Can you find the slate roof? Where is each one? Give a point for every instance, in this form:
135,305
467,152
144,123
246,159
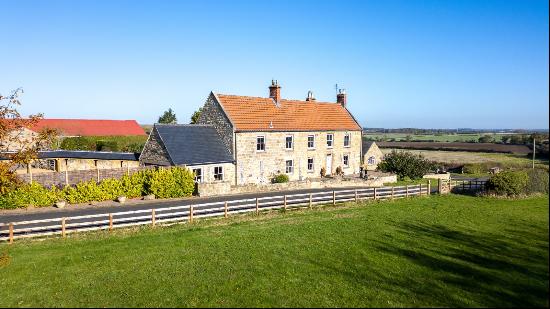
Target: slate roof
90,127
193,144
262,114
77,154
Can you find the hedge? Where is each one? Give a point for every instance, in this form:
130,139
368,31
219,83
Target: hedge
163,183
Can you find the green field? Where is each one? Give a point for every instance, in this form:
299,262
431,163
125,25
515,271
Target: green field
432,137
431,251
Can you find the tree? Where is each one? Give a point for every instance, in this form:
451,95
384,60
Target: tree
486,139
406,164
168,117
17,144
196,115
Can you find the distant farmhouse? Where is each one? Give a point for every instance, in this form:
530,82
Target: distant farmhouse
248,140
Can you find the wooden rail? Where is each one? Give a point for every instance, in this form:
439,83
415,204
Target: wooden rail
188,213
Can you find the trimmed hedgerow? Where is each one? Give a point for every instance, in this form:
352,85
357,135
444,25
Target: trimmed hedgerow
163,183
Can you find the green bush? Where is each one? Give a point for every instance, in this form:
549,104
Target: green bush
538,181
508,183
280,178
104,143
107,145
163,183
406,164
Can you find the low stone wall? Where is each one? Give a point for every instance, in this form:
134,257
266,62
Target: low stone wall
221,188
445,176
60,179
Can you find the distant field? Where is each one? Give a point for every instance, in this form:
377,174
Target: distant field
465,157
477,147
433,137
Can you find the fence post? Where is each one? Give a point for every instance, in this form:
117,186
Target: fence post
284,202
392,191
375,193
225,210
463,185
66,176
63,227
440,186
11,233
356,196
420,192
429,187
153,217
407,191
191,213
110,222
97,171
310,200
257,207
333,198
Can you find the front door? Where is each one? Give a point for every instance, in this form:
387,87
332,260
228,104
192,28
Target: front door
328,165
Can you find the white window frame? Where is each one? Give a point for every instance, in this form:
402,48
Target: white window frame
344,160
331,140
257,144
200,177
373,162
291,167
219,173
312,165
348,136
312,147
291,142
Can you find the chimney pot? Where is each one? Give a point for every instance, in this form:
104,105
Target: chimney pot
341,98
310,96
275,91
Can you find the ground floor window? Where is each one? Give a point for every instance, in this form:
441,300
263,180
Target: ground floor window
218,173
310,164
198,174
346,160
52,165
289,166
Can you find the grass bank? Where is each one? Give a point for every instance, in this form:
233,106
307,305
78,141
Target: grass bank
437,251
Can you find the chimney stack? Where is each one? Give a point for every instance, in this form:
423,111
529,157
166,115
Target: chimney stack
310,96
275,91
341,98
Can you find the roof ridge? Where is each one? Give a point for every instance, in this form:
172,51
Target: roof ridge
94,151
288,100
183,125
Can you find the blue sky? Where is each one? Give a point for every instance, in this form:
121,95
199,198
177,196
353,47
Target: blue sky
430,64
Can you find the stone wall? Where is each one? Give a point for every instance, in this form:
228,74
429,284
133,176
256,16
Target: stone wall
258,167
212,114
445,176
154,151
220,188
73,177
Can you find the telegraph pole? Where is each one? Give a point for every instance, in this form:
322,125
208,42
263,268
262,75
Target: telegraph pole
533,153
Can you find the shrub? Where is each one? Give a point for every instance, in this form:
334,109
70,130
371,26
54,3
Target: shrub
406,164
508,183
30,194
107,145
169,183
538,181
323,172
280,178
339,171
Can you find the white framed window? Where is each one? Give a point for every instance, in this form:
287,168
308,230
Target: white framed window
289,142
289,166
345,160
198,174
260,143
330,140
311,141
347,140
52,165
218,173
310,165
371,160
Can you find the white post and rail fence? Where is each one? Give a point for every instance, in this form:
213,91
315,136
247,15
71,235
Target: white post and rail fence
10,231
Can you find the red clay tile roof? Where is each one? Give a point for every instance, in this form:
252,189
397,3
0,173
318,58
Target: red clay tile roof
256,114
87,127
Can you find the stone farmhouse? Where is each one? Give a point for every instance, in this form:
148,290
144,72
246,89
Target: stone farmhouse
272,135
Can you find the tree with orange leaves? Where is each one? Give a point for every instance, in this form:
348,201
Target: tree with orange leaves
12,128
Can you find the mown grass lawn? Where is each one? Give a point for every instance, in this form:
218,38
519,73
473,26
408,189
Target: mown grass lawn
436,251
